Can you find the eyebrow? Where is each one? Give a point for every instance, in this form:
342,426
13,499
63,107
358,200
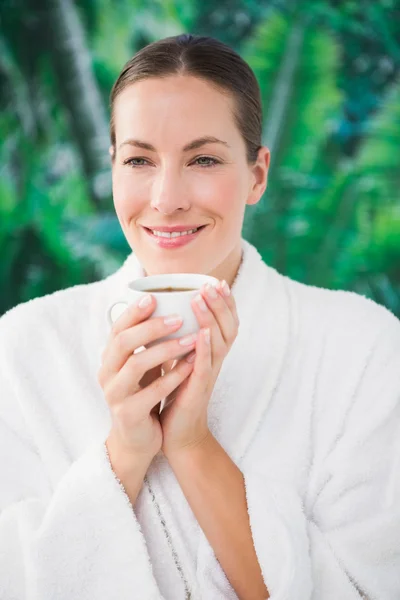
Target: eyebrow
207,139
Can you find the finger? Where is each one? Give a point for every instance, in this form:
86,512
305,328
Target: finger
203,361
127,341
127,380
206,319
134,314
162,387
147,379
225,291
227,301
222,313
169,364
143,402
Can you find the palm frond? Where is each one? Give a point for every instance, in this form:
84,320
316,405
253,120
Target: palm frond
366,233
296,66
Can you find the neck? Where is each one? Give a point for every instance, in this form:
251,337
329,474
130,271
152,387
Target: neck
229,268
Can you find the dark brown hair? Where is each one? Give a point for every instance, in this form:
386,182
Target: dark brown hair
206,58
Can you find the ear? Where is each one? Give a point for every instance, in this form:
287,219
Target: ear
259,176
112,154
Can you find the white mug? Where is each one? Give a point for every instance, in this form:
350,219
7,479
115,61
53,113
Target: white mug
167,303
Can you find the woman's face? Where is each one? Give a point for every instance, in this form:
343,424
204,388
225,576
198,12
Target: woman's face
167,185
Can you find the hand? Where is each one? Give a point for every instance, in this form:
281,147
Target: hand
132,383
184,416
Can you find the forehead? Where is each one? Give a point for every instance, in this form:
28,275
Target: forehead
174,104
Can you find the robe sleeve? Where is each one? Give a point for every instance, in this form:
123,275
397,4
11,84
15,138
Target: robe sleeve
345,543
354,527
78,540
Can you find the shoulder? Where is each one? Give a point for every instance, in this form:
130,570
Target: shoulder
83,302
350,344
46,306
56,316
343,316
357,360
349,347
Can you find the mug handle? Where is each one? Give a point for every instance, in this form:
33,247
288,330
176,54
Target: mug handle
110,309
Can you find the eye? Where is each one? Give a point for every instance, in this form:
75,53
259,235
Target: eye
213,163
129,161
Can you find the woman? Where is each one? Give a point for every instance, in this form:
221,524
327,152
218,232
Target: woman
273,470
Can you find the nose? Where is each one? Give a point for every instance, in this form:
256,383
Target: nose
169,194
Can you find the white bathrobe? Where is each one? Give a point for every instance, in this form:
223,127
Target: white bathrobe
307,404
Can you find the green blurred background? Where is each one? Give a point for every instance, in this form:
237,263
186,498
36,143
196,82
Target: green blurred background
329,75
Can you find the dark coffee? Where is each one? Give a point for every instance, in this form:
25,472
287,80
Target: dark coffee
171,289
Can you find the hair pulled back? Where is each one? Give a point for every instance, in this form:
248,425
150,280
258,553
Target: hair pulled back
205,58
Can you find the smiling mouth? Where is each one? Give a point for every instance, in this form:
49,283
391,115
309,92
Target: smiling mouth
173,235
173,241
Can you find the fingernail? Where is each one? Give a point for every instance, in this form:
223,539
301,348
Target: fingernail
225,288
190,358
203,306
206,333
145,301
188,340
211,291
173,320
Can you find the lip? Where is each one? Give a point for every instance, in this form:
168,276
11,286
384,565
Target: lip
178,228
176,242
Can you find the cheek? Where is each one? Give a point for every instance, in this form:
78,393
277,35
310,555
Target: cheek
127,197
227,197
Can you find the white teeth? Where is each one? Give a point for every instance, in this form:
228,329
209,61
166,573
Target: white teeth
173,234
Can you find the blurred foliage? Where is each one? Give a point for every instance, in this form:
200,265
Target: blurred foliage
329,75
